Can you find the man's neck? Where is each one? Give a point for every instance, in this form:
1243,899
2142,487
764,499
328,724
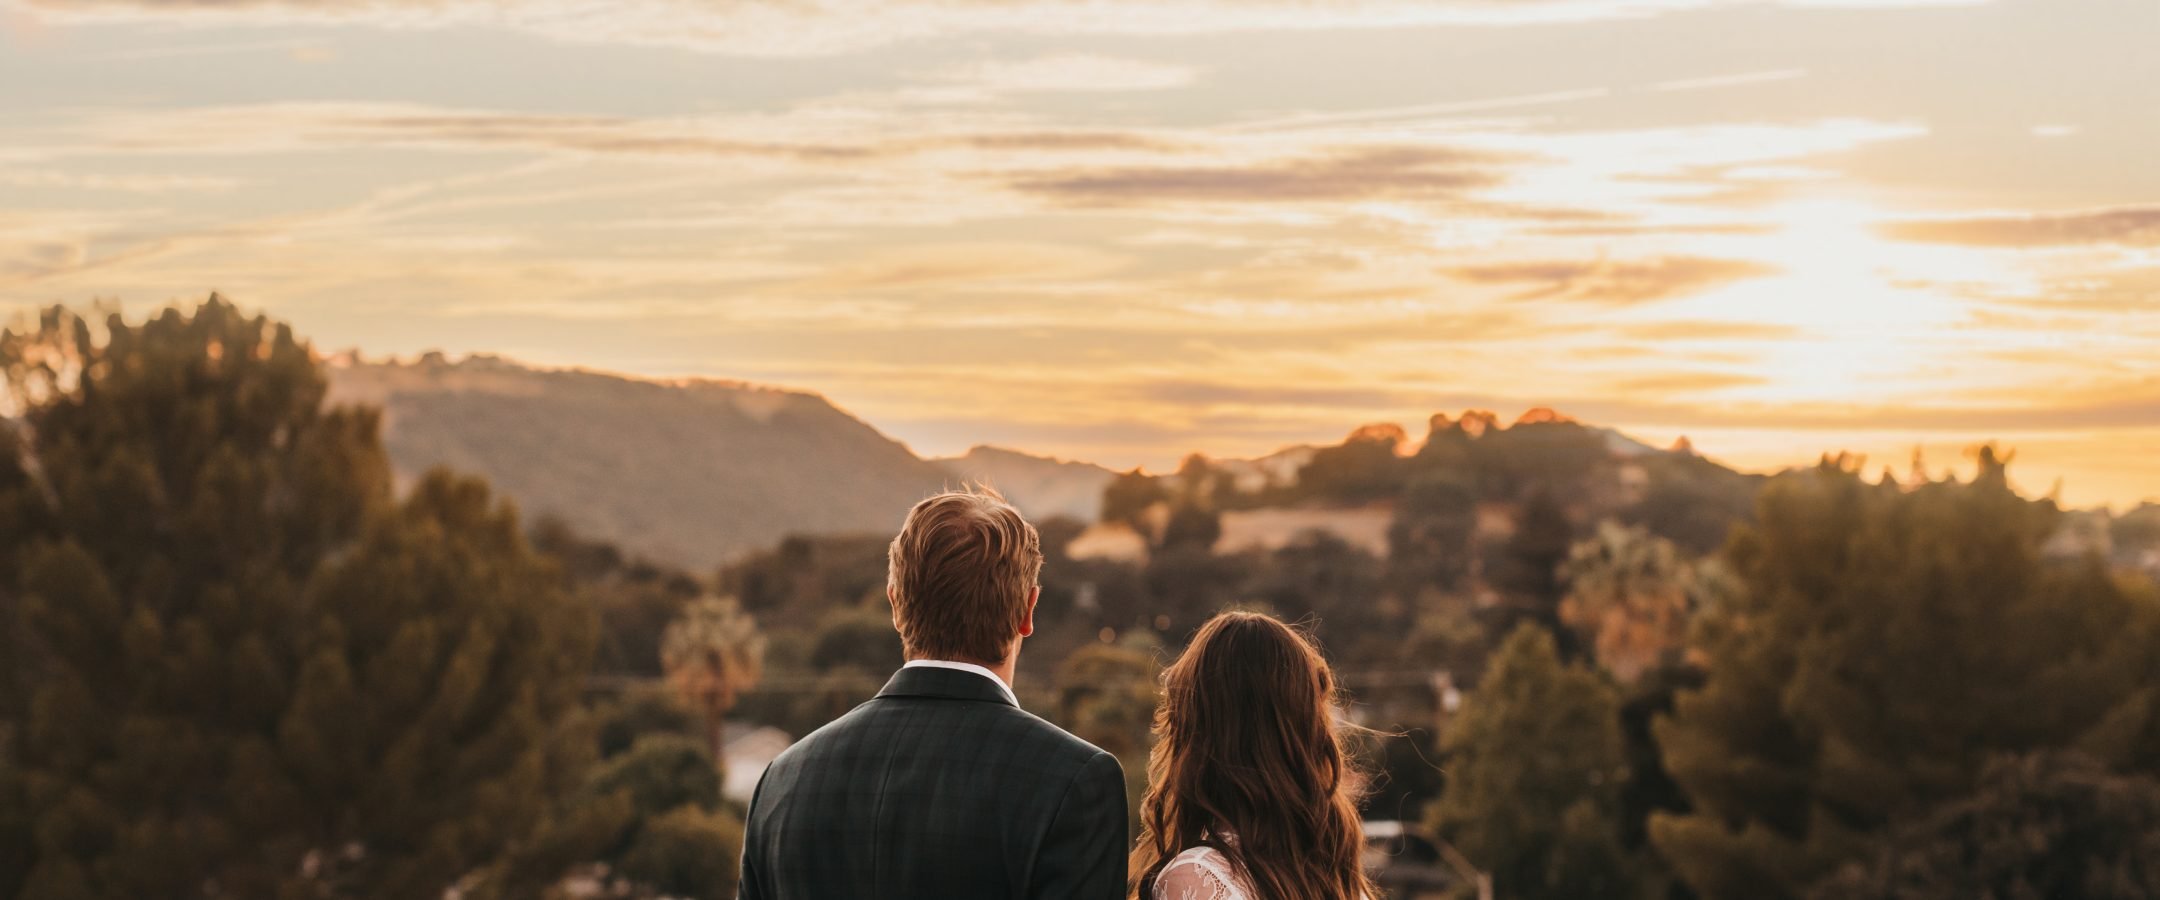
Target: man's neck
1003,670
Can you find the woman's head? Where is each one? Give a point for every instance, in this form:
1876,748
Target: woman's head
1247,744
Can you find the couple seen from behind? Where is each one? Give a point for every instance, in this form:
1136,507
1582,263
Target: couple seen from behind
942,788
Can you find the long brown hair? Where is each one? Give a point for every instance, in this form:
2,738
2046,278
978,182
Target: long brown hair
1247,744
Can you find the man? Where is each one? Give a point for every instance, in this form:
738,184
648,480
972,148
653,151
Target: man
942,787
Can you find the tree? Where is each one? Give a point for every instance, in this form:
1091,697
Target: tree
245,669
1130,496
2045,825
1322,578
1193,525
1429,540
1107,695
1888,643
677,839
688,852
662,772
1527,572
713,654
861,639
1535,766
1628,598
1366,466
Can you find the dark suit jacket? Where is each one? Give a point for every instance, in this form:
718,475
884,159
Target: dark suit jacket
939,788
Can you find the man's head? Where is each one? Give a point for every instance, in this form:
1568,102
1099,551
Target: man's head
962,578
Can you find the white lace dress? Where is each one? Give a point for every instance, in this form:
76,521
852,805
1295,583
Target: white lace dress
1201,873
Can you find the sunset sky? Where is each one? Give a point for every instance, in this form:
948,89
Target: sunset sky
1121,230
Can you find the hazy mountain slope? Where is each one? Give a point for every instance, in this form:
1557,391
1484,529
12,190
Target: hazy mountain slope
1040,486
690,472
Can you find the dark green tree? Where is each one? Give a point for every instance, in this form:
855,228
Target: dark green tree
1526,572
2042,826
1535,767
660,773
1107,694
688,852
1888,643
1128,498
1192,524
862,639
242,669
1429,540
1366,466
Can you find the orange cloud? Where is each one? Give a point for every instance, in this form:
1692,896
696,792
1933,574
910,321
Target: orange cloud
1623,282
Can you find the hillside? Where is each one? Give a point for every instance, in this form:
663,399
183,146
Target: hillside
1039,486
690,472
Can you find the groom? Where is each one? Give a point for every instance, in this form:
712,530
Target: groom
941,787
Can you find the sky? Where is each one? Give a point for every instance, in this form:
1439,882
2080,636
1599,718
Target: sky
1123,230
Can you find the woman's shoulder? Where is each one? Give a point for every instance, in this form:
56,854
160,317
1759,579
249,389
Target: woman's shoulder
1199,873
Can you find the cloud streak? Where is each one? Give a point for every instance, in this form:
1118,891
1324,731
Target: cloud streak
2130,225
781,28
1612,282
1348,174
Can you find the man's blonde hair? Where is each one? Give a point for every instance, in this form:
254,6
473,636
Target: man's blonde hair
961,573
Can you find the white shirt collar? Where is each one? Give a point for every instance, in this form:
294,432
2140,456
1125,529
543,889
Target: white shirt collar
964,667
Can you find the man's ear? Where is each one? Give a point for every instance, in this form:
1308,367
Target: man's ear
892,599
1027,624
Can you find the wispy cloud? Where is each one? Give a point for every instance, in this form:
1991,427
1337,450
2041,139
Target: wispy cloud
2134,225
1066,73
129,183
1741,79
1348,174
812,27
1616,282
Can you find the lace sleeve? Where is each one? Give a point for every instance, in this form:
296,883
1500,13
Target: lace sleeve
1201,875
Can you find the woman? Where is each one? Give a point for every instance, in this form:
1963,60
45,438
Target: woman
1250,794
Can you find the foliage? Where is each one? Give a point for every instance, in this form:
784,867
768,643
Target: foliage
1192,524
662,772
1535,768
244,669
1629,598
2040,826
1429,539
1888,643
862,639
1106,695
689,853
712,654
1323,580
641,711
635,599
1527,571
1130,496
1366,466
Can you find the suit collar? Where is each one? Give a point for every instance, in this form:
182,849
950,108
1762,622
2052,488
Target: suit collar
945,684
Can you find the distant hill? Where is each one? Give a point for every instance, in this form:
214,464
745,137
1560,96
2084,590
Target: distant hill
690,472
1039,486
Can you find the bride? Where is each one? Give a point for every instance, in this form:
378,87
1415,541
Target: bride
1250,794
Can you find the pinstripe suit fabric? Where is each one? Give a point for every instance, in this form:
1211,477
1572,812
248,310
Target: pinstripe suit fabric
939,788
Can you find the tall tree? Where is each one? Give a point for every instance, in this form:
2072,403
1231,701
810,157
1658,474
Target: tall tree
244,669
2046,825
1889,641
1429,539
712,654
1527,570
1535,767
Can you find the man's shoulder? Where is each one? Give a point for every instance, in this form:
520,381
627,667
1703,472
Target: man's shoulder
883,725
